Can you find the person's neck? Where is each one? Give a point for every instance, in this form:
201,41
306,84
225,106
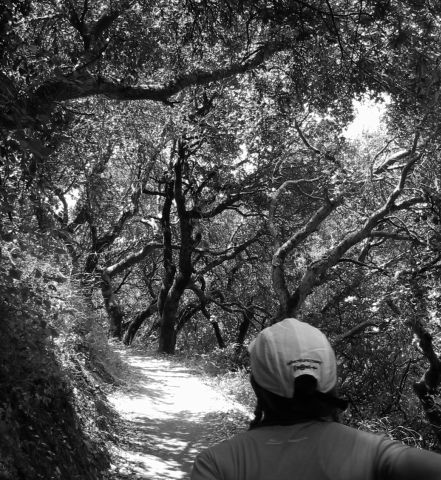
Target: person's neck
291,418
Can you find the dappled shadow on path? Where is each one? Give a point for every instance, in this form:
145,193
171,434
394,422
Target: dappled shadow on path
163,449
168,415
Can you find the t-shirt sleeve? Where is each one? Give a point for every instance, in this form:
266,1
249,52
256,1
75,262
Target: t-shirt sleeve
399,462
204,467
348,453
389,453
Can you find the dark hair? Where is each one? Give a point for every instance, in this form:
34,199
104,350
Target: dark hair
307,404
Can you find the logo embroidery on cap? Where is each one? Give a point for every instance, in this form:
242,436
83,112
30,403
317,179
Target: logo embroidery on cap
304,364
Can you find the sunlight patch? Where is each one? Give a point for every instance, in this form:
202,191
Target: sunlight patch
151,467
166,408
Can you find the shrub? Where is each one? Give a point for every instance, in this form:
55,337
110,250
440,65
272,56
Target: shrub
42,434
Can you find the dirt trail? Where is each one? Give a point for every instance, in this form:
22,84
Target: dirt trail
169,415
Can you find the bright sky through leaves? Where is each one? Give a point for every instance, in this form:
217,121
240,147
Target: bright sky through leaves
368,114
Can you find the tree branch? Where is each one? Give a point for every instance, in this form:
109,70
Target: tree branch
354,283
431,379
398,156
82,84
219,208
132,259
275,197
357,329
311,226
315,150
314,273
392,160
278,260
362,264
229,256
395,236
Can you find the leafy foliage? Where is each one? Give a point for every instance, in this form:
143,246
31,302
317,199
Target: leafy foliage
50,405
186,163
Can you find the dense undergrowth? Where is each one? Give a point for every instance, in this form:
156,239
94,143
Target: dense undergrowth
55,422
228,370
54,417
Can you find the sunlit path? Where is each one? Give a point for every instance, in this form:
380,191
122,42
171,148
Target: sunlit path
168,412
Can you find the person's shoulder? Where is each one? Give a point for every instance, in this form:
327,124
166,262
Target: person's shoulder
346,429
223,456
352,434
241,437
239,441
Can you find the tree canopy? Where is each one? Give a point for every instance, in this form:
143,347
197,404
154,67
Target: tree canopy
189,159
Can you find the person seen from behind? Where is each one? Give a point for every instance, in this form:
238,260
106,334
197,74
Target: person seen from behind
295,434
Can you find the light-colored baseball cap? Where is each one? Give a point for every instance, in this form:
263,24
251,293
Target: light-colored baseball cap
281,353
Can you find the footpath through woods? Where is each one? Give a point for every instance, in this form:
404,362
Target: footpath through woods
168,414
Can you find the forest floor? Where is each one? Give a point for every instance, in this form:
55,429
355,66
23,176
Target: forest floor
168,413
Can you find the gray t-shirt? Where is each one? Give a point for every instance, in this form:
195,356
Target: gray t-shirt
306,451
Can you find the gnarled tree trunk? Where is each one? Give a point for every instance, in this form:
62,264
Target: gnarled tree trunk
171,294
243,327
428,387
218,334
112,307
169,317
136,323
